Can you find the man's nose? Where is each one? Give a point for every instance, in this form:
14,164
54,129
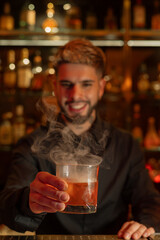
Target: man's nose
76,92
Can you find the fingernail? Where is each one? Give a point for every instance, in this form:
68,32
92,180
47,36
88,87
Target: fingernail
136,236
127,236
64,197
145,235
60,206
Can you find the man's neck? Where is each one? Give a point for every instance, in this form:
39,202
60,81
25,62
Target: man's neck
78,129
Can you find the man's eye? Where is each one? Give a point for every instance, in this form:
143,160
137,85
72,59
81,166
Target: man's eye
67,85
87,84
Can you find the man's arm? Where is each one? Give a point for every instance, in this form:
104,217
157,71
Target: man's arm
30,191
145,200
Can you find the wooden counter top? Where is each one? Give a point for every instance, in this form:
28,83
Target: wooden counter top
68,237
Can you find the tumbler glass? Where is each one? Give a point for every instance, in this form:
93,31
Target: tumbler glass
82,180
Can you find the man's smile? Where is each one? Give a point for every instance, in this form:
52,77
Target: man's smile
77,106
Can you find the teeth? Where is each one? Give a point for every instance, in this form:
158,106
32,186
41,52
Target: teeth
77,106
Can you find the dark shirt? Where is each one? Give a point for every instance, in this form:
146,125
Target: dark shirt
123,181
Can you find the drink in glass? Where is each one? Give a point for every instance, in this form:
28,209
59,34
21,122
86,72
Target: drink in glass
82,183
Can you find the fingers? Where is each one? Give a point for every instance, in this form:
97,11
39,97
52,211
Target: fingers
52,180
148,232
47,193
39,204
134,230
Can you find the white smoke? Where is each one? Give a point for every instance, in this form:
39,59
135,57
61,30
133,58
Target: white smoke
61,145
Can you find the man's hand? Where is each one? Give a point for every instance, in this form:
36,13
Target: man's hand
134,230
47,193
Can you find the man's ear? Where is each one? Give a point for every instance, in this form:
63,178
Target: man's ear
102,85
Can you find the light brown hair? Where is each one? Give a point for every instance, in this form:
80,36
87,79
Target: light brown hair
81,51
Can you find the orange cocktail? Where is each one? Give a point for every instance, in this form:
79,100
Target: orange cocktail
83,196
82,182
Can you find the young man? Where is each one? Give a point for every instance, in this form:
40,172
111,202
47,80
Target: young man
34,197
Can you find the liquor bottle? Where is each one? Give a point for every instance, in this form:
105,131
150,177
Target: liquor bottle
10,75
125,16
38,74
23,16
143,83
31,17
155,85
24,72
30,125
6,137
50,24
49,77
155,18
73,18
139,15
7,20
136,125
28,16
91,20
1,75
19,125
110,21
151,139
115,79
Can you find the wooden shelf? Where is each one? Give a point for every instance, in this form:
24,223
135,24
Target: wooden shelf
40,38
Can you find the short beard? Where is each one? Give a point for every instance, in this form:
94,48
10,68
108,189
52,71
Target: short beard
78,120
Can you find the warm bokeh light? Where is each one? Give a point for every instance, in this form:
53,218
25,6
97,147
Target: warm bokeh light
67,6
50,5
31,7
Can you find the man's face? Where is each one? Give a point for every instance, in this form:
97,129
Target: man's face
78,90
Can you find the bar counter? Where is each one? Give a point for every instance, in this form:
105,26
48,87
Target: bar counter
8,234
69,237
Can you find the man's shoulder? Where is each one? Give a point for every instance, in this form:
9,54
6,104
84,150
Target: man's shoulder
41,130
30,138
114,130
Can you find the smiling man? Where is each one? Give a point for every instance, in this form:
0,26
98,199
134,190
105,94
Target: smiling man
78,89
34,198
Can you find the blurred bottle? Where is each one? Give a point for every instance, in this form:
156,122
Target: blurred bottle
136,123
19,125
151,139
50,24
6,19
153,166
10,74
91,20
28,16
30,125
24,72
23,16
38,74
73,18
1,75
110,21
143,83
114,80
6,137
139,15
125,15
49,77
155,18
155,85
